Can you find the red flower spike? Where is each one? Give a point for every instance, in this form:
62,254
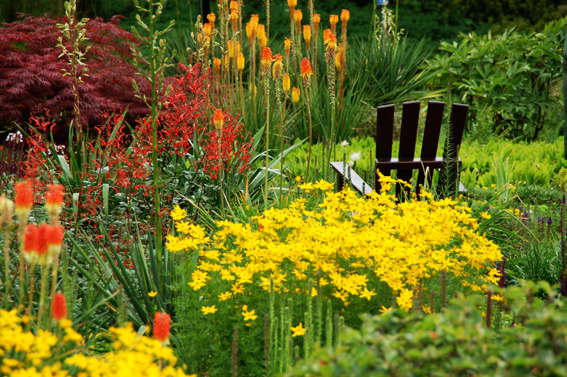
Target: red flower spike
30,239
54,195
162,324
41,239
59,307
24,196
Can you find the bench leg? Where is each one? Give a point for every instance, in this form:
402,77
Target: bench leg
340,183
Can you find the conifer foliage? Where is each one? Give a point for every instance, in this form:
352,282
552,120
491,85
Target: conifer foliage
32,80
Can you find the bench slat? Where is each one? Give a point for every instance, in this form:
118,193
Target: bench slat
356,181
384,136
408,137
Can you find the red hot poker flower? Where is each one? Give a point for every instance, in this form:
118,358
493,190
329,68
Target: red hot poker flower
24,198
59,307
54,199
162,324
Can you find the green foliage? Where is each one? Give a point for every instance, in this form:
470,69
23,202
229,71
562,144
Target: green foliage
508,75
455,342
392,71
536,163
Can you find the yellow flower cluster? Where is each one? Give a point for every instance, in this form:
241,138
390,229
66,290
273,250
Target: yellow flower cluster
25,354
349,243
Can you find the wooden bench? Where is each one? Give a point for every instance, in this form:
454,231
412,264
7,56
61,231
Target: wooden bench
448,165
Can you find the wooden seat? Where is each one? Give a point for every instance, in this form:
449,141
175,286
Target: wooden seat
406,162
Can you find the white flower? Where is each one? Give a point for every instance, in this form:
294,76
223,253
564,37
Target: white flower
344,144
350,163
355,156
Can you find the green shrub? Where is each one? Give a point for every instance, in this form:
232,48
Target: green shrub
509,76
456,342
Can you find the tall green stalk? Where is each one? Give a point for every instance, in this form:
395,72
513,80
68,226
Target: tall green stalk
158,65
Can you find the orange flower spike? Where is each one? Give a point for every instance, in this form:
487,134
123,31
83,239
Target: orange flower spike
24,199
306,71
162,325
292,4
212,18
298,16
207,29
286,83
234,19
278,66
234,6
307,34
266,61
54,235
240,61
217,63
231,50
330,40
59,307
41,241
339,56
295,95
334,20
287,45
30,239
218,119
345,16
262,39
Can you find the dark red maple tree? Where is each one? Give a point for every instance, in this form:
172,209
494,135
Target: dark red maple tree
32,80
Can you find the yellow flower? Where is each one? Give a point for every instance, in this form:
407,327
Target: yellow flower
209,309
298,179
367,294
249,315
405,299
485,215
286,83
178,214
384,309
152,294
298,330
225,296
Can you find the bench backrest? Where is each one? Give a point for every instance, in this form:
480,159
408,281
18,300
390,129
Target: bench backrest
406,161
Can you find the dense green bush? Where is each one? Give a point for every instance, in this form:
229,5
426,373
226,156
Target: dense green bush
530,341
507,79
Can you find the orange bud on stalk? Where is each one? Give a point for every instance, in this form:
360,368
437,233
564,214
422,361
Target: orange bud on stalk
266,61
307,34
218,118
162,325
298,16
278,66
54,200
59,307
240,61
345,15
287,45
295,94
306,71
286,83
334,19
24,199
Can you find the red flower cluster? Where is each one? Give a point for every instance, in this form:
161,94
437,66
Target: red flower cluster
225,150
